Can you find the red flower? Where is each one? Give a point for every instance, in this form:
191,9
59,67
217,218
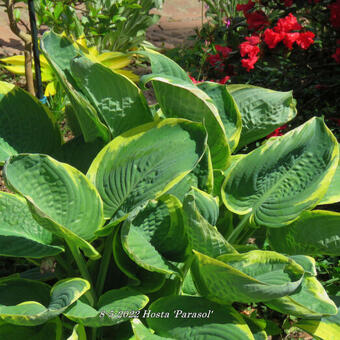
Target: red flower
253,40
248,49
305,39
256,20
272,38
278,131
335,14
248,63
223,80
223,50
194,80
290,38
336,120
214,59
245,8
288,3
287,24
336,55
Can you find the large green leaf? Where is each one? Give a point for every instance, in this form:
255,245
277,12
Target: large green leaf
59,52
284,177
333,193
262,110
25,124
187,317
50,330
161,64
20,234
227,109
150,237
114,306
310,301
30,303
314,233
62,198
201,177
200,209
145,162
116,98
143,333
250,277
326,328
145,280
178,98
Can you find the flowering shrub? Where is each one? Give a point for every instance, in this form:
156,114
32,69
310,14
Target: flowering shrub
280,44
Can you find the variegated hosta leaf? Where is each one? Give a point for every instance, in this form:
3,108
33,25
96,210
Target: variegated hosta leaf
51,329
62,199
200,208
333,193
20,234
250,277
262,110
188,317
145,162
278,181
161,64
201,177
25,124
178,98
114,306
145,280
310,301
314,233
59,52
117,99
143,333
153,232
30,303
325,328
227,109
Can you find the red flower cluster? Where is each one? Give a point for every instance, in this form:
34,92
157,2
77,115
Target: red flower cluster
256,20
283,32
335,14
216,60
278,132
251,49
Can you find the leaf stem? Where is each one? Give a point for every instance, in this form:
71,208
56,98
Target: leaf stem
233,236
81,264
104,264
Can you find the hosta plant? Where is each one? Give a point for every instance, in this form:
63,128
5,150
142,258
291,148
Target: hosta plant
148,225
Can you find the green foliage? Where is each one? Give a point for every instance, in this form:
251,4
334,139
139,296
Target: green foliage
155,226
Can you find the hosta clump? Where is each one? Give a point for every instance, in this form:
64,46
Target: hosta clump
143,219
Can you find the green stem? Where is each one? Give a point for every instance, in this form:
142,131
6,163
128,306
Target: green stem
64,265
104,265
81,264
233,236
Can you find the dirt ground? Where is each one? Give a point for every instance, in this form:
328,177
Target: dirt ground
178,20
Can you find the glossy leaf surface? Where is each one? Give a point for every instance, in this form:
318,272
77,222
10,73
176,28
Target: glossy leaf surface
62,198
127,175
25,124
262,110
250,277
314,233
294,173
